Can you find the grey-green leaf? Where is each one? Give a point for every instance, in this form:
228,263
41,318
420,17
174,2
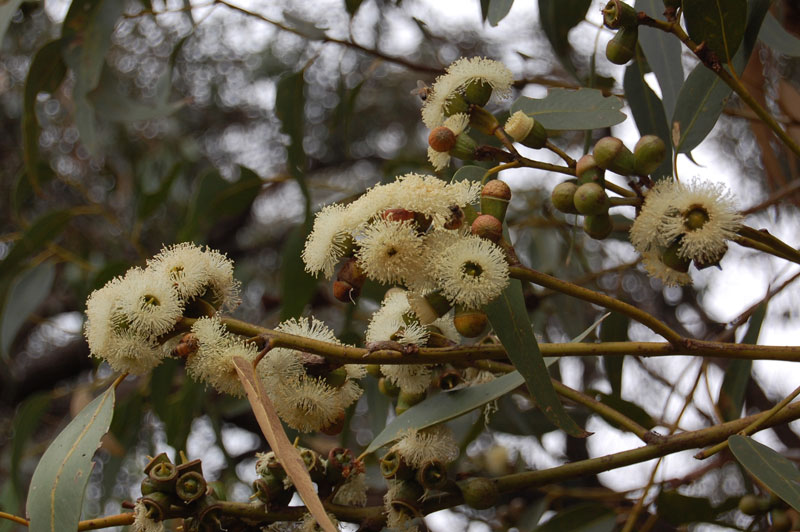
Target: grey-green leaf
588,517
776,37
572,109
737,374
27,292
498,9
55,497
510,322
718,23
663,53
556,19
700,103
776,472
111,104
446,406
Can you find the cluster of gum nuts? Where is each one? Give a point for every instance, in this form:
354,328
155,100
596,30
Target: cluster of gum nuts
783,518
586,195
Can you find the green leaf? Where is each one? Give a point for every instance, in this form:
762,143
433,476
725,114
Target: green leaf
719,23
681,509
26,421
509,319
572,109
110,104
27,292
36,236
663,53
297,285
700,103
57,488
237,196
648,113
444,407
615,329
737,374
589,517
45,74
148,203
289,106
9,502
778,473
470,173
8,9
498,9
776,37
556,19
485,9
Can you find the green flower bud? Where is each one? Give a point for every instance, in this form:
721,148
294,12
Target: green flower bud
483,120
563,197
622,47
611,154
598,226
470,323
478,92
479,493
752,505
587,170
406,400
618,14
648,154
464,147
591,198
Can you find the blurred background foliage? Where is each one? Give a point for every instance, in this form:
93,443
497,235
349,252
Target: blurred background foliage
130,125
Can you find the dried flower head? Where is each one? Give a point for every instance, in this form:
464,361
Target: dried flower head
143,521
471,271
353,492
458,75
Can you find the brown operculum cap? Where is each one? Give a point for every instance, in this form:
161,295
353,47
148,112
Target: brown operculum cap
487,226
496,189
349,281
442,139
335,427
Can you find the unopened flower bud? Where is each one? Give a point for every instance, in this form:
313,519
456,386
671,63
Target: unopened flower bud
591,198
648,154
495,197
406,400
442,139
487,226
464,148
611,154
479,493
563,197
526,130
752,505
672,259
478,92
587,170
470,322
598,226
618,14
483,120
622,47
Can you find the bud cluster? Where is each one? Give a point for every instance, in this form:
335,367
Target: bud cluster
617,15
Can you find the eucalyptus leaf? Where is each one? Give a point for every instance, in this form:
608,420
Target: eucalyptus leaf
557,19
56,492
776,37
43,230
588,517
737,374
779,474
27,292
498,9
700,103
720,24
679,509
297,285
663,53
580,109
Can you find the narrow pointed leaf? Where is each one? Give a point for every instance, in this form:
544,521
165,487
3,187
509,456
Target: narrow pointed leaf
778,473
776,37
719,23
29,290
663,53
55,497
509,319
288,455
498,9
589,517
700,103
737,374
557,19
572,109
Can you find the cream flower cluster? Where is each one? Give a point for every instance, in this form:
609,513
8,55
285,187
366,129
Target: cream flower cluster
128,316
306,402
455,82
398,234
691,222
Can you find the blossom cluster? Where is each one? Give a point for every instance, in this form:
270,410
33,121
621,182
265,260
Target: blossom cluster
682,223
129,319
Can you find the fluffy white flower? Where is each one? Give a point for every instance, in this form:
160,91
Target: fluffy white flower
149,302
328,240
213,361
185,265
471,271
389,251
651,260
434,444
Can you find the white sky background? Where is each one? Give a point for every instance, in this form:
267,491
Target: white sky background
742,282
